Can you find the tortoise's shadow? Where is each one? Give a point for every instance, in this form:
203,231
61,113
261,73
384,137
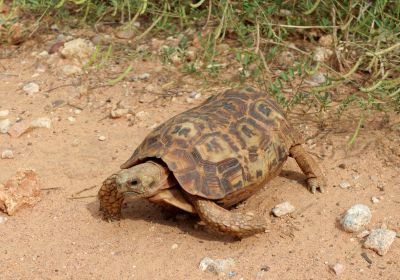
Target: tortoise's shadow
142,209
294,176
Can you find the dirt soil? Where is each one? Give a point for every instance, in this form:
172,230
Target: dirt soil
63,237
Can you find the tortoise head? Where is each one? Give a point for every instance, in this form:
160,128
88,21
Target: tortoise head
142,180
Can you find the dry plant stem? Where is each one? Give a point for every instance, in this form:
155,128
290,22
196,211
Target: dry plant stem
122,76
84,190
209,14
313,8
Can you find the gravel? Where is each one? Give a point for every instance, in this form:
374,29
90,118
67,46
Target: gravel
355,218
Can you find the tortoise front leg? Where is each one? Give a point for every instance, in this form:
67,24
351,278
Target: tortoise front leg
226,222
110,200
315,179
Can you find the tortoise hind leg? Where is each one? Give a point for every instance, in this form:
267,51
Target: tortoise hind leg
226,222
315,179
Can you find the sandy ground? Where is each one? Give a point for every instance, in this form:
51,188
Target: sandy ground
63,238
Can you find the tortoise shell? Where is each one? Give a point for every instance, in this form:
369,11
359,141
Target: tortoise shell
233,140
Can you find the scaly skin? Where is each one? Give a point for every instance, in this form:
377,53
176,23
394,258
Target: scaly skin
315,179
110,199
226,222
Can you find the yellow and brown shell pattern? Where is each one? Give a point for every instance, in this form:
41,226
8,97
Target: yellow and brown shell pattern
233,140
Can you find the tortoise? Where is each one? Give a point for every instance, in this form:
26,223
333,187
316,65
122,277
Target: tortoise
211,157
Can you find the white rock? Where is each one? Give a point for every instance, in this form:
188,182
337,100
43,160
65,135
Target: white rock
71,70
3,219
195,95
174,246
80,50
4,113
31,88
338,268
322,54
285,58
144,76
380,240
43,54
283,209
375,200
344,185
75,143
316,79
102,138
217,266
7,154
355,218
43,122
71,119
142,115
4,126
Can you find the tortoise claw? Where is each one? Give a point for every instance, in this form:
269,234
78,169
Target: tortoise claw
314,184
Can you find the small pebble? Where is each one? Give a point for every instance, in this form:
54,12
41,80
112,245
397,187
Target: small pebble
71,119
7,154
322,54
355,218
144,76
217,266
4,126
338,268
189,100
375,200
75,143
4,113
102,138
71,70
58,103
283,209
174,246
43,54
43,122
195,95
3,219
344,185
316,79
379,240
31,88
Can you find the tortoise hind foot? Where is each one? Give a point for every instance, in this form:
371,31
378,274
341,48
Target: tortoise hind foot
226,222
315,178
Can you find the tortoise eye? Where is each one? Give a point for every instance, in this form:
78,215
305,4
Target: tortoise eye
134,182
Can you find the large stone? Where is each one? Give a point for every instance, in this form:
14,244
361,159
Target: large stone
21,190
355,218
380,240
